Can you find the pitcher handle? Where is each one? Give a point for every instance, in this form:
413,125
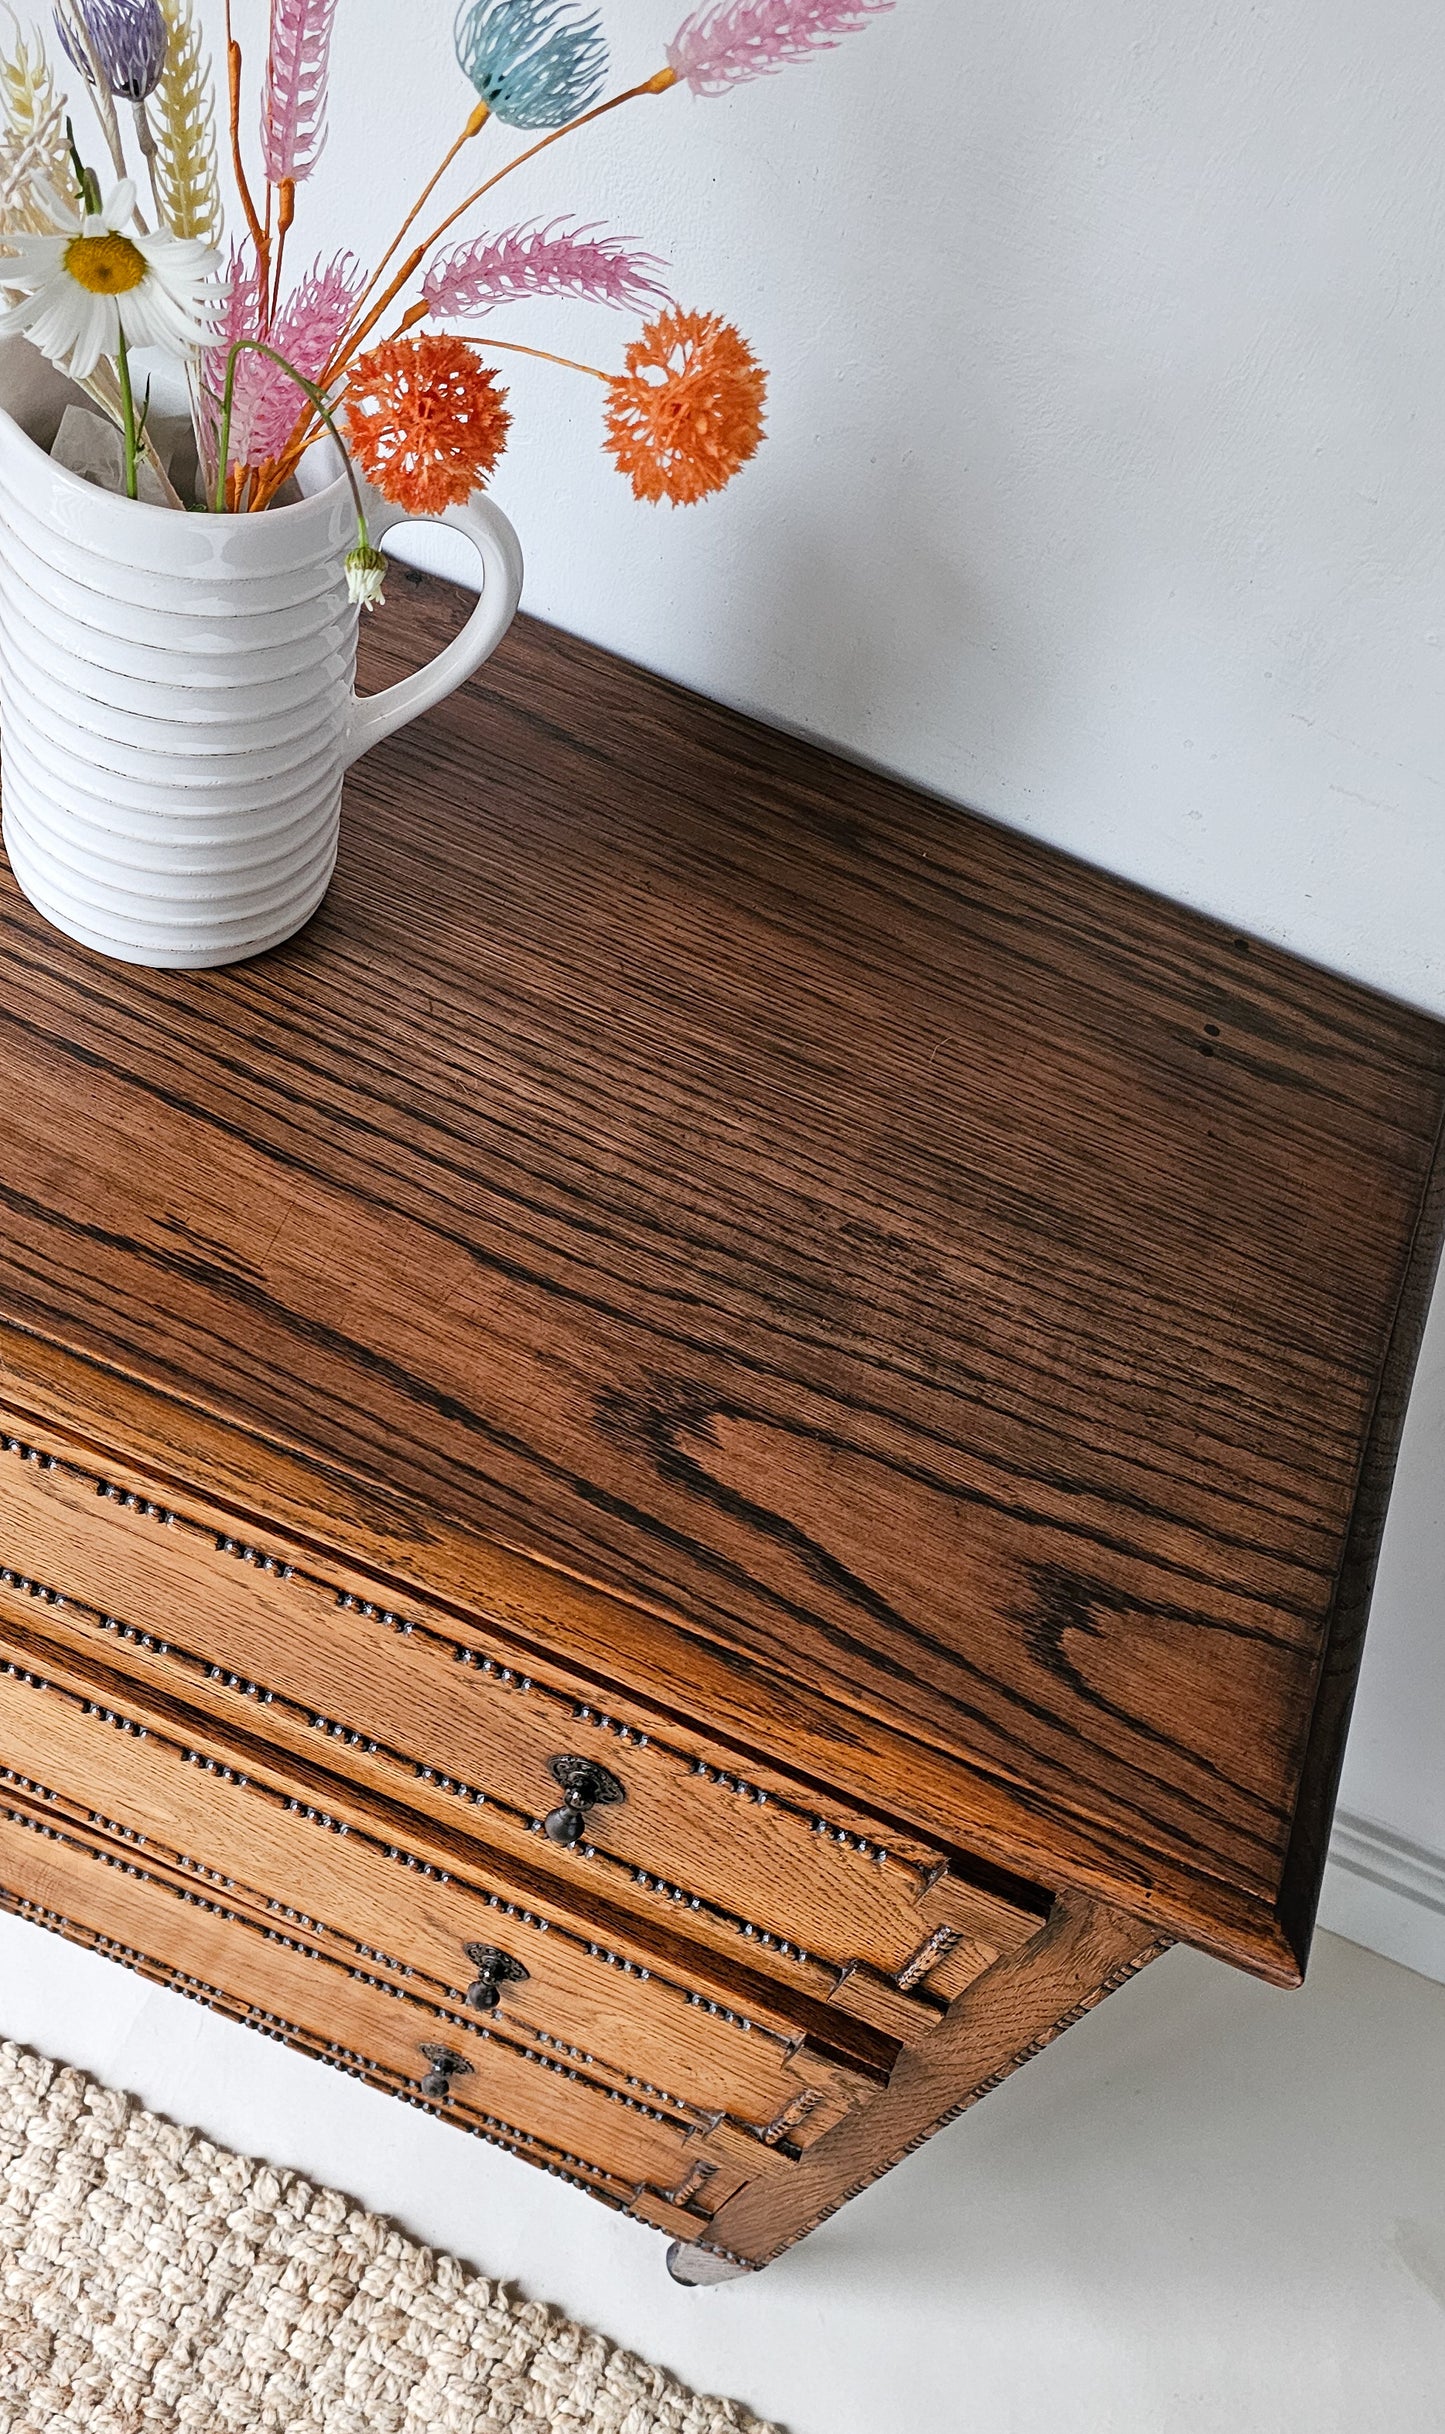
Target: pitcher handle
496,544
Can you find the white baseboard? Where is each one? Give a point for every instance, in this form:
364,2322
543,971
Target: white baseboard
1387,1894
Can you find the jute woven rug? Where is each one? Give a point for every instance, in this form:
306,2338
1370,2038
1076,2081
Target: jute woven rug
150,2281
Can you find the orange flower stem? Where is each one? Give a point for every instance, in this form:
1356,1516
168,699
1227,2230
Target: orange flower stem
349,345
472,128
267,479
306,430
510,347
655,84
660,83
238,166
285,202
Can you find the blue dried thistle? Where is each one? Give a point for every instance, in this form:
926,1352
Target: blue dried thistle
130,38
535,63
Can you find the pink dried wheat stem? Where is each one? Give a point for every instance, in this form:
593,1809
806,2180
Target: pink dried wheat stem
541,260
268,405
730,40
293,122
239,314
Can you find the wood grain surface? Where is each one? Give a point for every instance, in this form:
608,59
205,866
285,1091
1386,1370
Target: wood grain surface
706,2181
428,1711
368,1873
842,1269
214,1948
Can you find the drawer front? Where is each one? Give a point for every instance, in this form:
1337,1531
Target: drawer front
628,2024
455,1718
637,2154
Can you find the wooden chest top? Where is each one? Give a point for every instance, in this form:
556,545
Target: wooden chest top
950,1311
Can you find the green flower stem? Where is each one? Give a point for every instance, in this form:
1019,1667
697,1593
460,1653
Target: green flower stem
318,405
85,179
129,436
120,406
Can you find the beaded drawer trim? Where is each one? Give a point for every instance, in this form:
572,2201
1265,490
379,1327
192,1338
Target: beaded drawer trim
571,1709
531,1918
207,1890
620,2196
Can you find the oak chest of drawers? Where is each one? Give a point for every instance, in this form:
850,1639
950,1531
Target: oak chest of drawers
703,1465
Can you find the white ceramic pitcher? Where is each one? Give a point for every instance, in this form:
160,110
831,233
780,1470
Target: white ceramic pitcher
177,695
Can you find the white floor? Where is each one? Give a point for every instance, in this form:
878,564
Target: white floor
1210,2209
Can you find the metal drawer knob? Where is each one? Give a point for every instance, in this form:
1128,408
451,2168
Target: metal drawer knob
445,2067
585,1785
494,1971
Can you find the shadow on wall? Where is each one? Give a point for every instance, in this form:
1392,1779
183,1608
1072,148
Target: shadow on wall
866,616
1202,2145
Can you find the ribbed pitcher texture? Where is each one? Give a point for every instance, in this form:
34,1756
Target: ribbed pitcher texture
177,696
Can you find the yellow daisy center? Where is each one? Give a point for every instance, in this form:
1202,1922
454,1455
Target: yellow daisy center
107,266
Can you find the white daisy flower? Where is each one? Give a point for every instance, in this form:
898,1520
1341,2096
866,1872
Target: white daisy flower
92,284
366,572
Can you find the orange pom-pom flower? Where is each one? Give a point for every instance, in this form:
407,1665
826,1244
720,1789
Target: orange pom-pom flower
426,422
688,410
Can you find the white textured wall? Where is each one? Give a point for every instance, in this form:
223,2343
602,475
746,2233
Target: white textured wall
1104,483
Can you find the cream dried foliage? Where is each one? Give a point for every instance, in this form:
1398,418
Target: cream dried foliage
150,2280
32,146
188,185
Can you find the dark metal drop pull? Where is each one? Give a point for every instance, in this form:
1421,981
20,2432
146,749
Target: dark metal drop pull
585,1785
494,1971
445,2067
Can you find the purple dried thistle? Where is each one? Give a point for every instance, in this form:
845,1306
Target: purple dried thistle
540,259
268,404
130,39
730,40
293,121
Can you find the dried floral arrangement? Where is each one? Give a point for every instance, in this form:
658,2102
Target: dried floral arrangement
275,360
